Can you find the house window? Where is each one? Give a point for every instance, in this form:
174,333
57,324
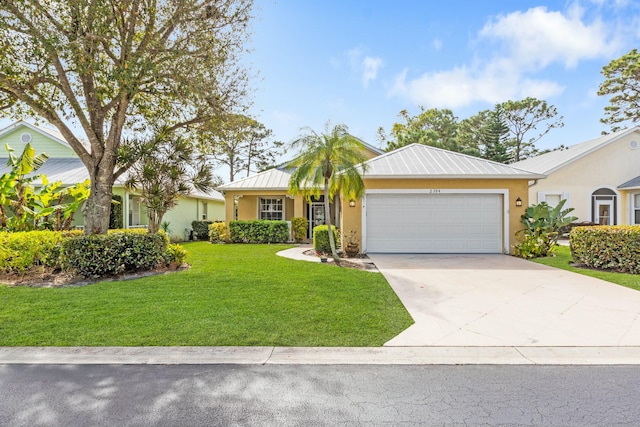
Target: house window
636,208
271,209
205,212
604,209
553,199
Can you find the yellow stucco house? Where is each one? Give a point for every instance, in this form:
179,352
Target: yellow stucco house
418,199
65,166
599,178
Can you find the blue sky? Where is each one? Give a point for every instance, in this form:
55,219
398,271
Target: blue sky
360,62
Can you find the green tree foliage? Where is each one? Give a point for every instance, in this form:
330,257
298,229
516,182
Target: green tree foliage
112,67
524,117
327,165
172,169
26,206
622,83
494,137
239,142
434,127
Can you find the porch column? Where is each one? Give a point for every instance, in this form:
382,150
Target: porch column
229,207
298,206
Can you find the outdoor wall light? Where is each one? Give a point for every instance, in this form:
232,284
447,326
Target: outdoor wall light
352,203
518,202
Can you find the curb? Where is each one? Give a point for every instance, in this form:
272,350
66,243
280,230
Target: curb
320,355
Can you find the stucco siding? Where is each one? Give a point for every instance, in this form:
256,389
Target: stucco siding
39,142
514,188
607,167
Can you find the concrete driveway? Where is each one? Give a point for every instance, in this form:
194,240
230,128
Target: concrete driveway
499,300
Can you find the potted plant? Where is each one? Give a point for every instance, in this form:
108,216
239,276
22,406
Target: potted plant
351,245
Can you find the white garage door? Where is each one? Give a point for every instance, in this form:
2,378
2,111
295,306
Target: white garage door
434,223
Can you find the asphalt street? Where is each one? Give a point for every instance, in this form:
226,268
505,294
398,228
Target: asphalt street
314,395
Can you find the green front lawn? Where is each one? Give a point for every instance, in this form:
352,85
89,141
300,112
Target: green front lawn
563,260
233,295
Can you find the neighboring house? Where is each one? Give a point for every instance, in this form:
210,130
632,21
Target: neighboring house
64,165
599,178
418,199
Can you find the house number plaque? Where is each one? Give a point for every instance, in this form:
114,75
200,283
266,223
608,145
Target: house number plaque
434,190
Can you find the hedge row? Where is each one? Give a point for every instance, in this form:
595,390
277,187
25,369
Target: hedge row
258,231
91,256
615,247
20,251
201,229
101,255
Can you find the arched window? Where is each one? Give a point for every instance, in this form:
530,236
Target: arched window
604,209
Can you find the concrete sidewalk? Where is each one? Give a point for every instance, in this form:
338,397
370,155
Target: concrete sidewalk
321,355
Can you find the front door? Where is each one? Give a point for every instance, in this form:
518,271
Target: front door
604,210
316,216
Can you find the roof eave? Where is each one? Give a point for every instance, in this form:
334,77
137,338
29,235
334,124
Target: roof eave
446,176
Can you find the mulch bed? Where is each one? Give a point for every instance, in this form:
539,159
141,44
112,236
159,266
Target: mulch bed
39,278
361,262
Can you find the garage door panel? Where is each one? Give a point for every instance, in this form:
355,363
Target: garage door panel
434,223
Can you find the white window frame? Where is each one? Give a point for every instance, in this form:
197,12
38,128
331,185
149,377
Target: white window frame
634,208
282,204
205,211
542,197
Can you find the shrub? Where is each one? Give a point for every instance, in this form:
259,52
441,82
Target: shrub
258,231
321,238
21,250
176,253
299,227
94,256
218,232
542,225
614,247
201,229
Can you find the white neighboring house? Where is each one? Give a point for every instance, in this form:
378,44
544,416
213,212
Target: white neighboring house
599,178
64,165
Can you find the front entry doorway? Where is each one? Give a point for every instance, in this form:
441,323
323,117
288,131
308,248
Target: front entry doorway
316,216
604,210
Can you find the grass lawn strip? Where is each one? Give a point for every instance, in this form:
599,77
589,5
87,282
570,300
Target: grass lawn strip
563,261
234,295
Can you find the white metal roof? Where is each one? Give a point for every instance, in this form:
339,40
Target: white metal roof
423,161
272,179
71,171
553,160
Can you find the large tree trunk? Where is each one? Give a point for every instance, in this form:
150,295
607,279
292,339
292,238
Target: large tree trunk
97,207
327,215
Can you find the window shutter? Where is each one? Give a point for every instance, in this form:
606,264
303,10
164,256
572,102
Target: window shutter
566,197
541,196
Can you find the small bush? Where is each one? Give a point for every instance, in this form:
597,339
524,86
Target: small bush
259,231
201,229
321,238
218,232
615,247
94,256
22,250
299,227
176,253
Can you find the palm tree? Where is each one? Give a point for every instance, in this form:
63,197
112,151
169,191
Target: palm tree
327,163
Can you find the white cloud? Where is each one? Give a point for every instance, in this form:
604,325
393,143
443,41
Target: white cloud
537,37
370,67
527,43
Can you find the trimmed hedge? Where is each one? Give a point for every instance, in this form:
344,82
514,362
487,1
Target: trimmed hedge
201,229
615,247
20,251
259,231
98,255
218,232
321,238
299,227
